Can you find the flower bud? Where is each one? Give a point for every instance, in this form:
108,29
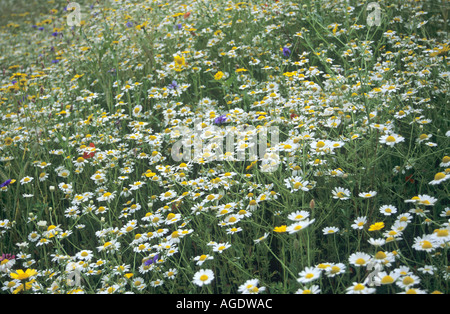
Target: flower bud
312,204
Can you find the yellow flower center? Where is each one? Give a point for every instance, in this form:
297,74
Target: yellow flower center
390,139
340,194
380,255
387,280
170,216
335,269
442,232
408,280
320,144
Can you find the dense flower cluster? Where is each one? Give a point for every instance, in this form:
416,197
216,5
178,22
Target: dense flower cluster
355,187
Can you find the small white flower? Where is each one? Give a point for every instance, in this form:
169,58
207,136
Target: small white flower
203,277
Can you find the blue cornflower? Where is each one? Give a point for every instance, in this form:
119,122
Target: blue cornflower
221,119
7,182
178,26
173,85
286,51
151,260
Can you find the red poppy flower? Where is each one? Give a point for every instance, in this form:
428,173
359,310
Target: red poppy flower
87,155
293,115
408,179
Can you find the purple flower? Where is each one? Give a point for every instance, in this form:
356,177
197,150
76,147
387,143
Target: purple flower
7,182
220,120
173,85
178,26
41,28
151,260
7,256
286,51
129,24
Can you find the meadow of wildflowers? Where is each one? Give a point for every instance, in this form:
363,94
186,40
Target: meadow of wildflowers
115,117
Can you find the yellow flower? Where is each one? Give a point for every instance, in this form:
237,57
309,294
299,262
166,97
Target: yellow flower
280,229
180,62
218,75
8,141
289,74
128,275
438,51
376,226
27,286
251,165
21,275
335,29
